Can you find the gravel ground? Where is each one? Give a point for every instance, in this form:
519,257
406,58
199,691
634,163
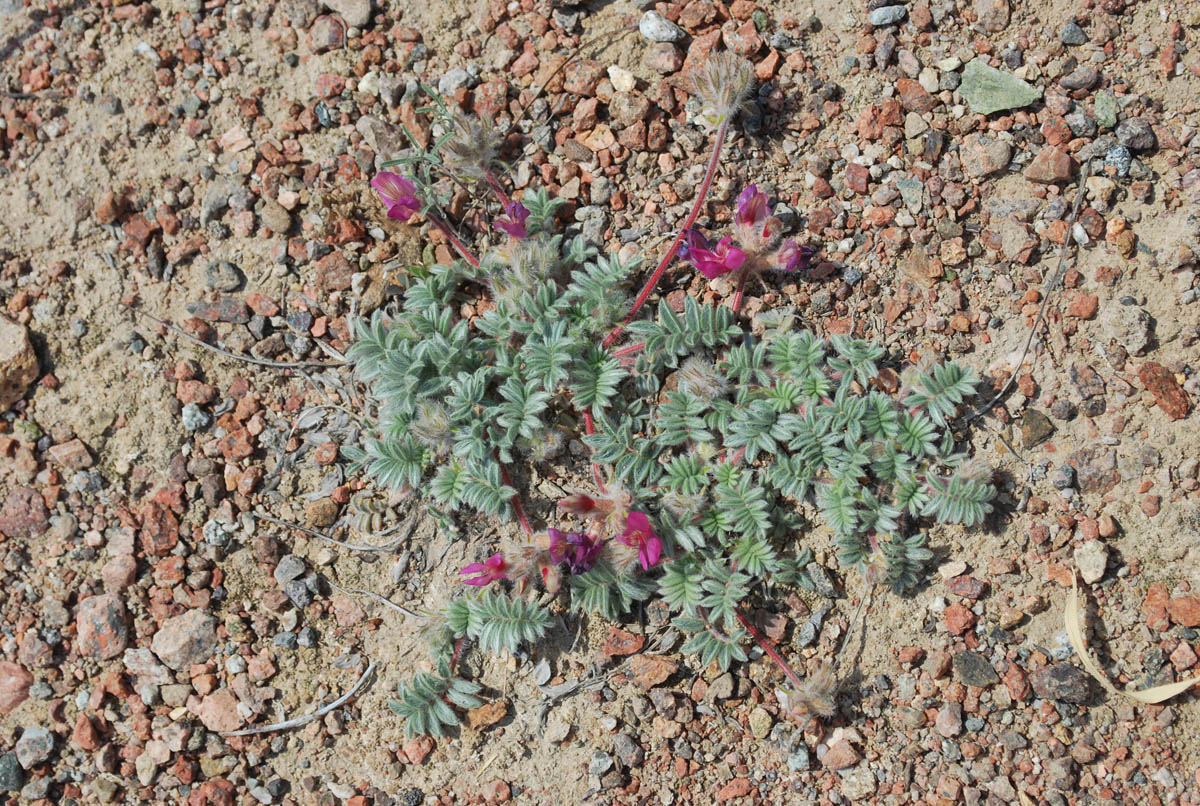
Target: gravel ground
205,163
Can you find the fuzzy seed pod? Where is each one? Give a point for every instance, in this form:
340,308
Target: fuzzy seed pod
431,427
700,378
724,82
816,695
471,149
683,506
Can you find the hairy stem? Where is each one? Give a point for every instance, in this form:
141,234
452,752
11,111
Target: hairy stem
589,427
496,186
454,241
516,501
701,195
788,671
741,288
628,349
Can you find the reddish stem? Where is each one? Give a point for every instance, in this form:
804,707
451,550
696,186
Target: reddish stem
628,349
741,288
458,646
454,241
589,427
496,186
770,650
701,194
516,501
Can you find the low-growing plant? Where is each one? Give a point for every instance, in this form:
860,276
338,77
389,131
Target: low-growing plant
710,445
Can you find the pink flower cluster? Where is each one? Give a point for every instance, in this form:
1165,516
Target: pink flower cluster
578,550
757,230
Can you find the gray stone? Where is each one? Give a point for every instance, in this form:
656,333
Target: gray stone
356,13
34,747
216,199
989,90
18,362
1135,134
1062,681
453,79
222,275
888,15
186,640
913,192
1072,34
11,774
1106,109
601,763
657,28
1080,124
1082,77
722,688
628,751
276,216
290,567
973,669
1129,326
194,418
819,577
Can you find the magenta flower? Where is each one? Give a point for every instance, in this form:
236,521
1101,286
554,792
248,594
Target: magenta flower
752,212
490,570
576,549
710,261
514,225
398,193
793,257
638,533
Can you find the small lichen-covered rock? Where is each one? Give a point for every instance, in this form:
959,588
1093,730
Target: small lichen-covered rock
18,363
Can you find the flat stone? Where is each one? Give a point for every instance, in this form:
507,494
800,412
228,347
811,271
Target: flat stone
356,13
1136,134
1096,469
841,754
657,28
102,626
983,155
887,15
487,714
186,640
1072,34
1105,109
1169,395
219,711
12,777
1050,166
1083,77
1091,558
629,752
24,514
989,90
949,721
1062,681
1128,325
760,723
15,681
18,363
993,14
34,747
651,670
973,669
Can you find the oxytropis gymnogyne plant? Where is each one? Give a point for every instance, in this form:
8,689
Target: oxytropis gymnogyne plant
710,446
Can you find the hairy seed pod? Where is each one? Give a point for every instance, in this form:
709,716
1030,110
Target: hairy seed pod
431,427
471,149
724,82
683,506
700,378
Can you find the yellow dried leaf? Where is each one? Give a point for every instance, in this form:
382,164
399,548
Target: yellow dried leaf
1074,621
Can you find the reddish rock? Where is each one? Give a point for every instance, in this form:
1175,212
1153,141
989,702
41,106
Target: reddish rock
15,681
1169,395
1084,306
1154,607
620,643
1051,165
857,177
841,755
102,626
736,788
1184,657
219,712
497,790
24,514
1017,683
73,455
85,736
967,586
418,749
487,714
651,670
663,58
110,207
743,40
193,391
959,619
119,573
914,97
582,76
160,530
1185,610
